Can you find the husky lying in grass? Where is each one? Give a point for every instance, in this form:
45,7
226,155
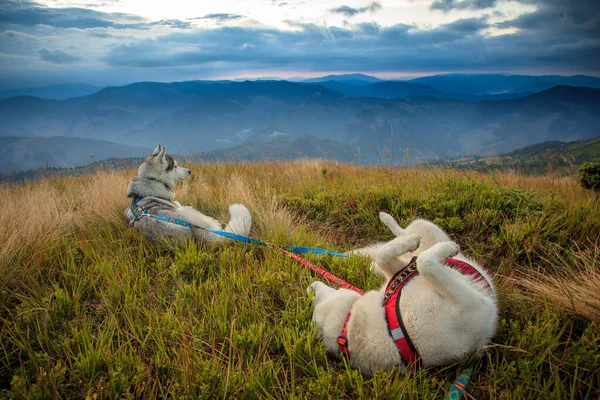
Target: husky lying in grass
443,313
152,191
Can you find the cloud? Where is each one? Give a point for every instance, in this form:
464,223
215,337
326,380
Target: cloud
350,11
449,5
559,18
457,46
57,56
557,37
221,16
17,36
366,44
467,25
23,13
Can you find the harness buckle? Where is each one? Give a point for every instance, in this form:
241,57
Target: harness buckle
137,211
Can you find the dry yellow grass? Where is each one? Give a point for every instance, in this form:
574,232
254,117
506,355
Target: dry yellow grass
574,284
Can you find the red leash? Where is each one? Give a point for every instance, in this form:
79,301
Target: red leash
325,274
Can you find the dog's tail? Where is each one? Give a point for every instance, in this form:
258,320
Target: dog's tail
240,220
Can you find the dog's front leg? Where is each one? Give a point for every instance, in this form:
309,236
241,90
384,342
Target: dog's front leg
387,257
391,223
447,282
321,290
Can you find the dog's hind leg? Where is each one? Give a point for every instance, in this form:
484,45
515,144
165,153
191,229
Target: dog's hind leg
387,258
240,220
447,281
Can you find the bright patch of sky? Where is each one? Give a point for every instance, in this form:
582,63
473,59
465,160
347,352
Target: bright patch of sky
278,13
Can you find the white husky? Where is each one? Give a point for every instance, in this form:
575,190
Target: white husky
446,313
152,191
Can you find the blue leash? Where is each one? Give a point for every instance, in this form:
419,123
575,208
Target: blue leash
139,212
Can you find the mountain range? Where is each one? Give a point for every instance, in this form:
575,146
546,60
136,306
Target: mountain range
400,89
486,84
57,92
27,153
378,119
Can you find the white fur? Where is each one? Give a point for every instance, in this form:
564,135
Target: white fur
447,315
154,186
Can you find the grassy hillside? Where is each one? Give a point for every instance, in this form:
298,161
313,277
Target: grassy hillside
88,308
541,158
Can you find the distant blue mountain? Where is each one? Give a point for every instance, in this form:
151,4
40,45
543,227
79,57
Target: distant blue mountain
486,84
198,116
26,153
355,79
57,92
400,89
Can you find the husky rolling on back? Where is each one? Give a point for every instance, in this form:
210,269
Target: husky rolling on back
447,310
152,191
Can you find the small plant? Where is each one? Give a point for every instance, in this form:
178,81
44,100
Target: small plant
588,175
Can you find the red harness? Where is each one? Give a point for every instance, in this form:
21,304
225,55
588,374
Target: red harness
391,303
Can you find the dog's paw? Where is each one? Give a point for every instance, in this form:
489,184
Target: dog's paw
391,223
238,210
444,250
240,221
412,242
407,242
386,218
397,247
313,287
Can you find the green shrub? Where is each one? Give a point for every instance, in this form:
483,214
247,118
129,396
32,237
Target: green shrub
588,175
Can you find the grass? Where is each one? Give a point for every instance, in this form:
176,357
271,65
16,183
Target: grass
89,309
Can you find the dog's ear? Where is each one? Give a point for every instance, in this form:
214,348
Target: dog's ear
157,150
162,154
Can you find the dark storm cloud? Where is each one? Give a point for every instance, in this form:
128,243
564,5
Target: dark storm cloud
57,56
350,11
28,14
449,5
366,44
565,18
559,32
459,45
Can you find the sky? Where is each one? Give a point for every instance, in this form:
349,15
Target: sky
114,42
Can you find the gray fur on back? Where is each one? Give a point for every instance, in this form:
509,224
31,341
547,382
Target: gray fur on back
155,198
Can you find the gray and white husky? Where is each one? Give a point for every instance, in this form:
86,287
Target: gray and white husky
152,191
